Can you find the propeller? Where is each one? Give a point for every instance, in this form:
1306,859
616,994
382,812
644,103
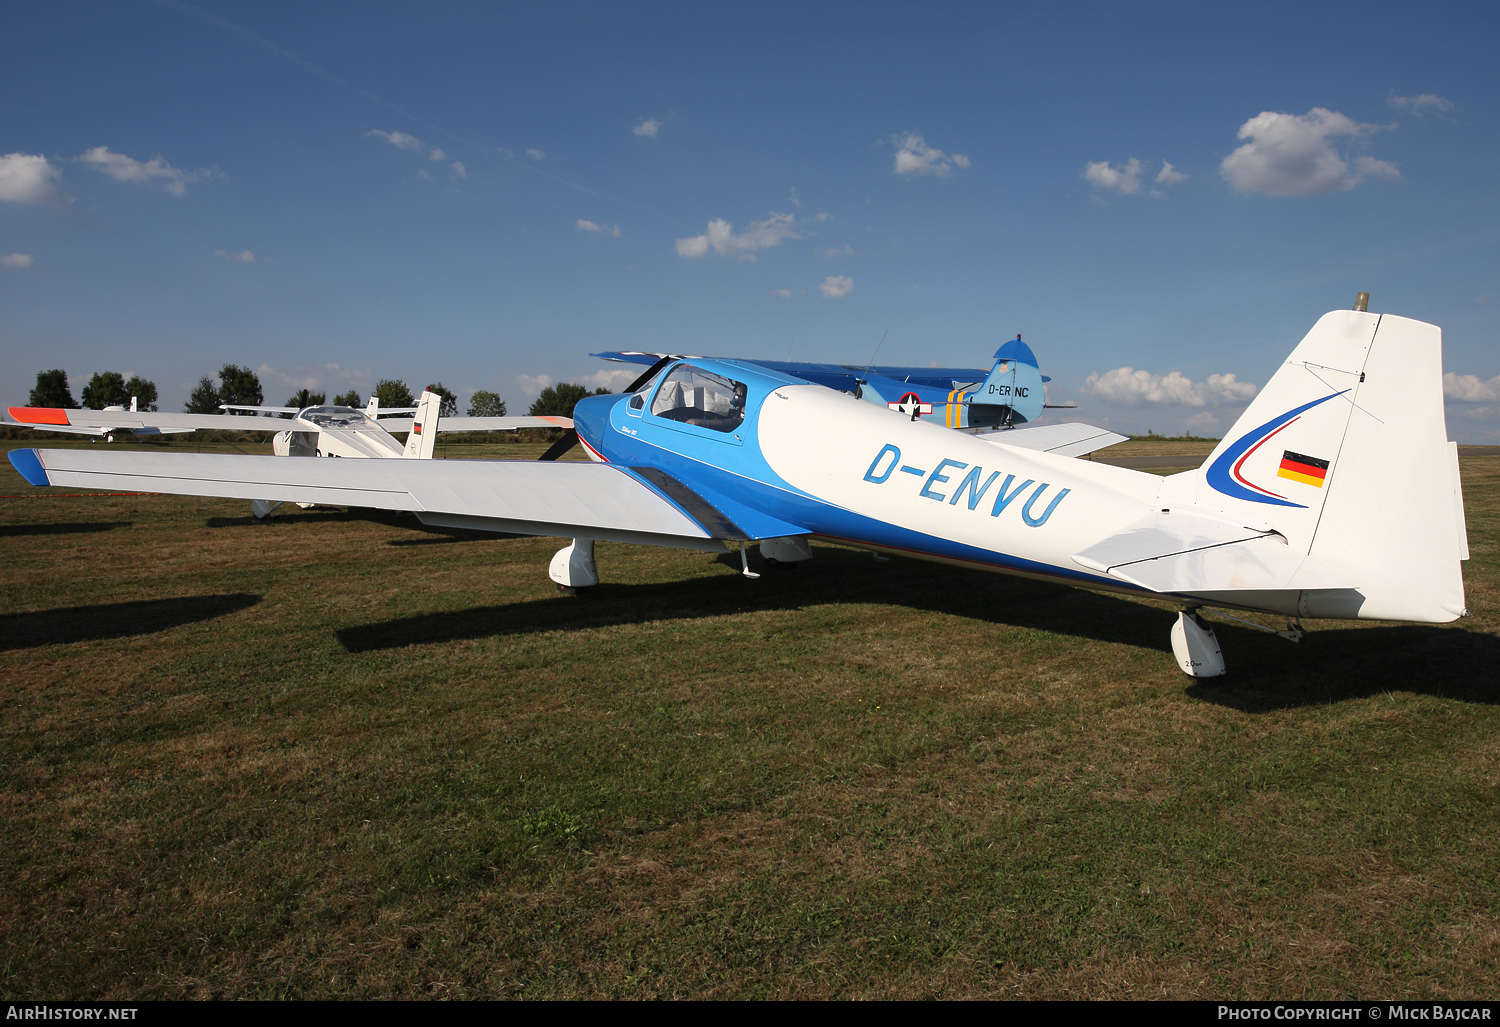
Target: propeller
570,437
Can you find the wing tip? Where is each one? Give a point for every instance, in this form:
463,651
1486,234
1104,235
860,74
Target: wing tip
39,415
28,464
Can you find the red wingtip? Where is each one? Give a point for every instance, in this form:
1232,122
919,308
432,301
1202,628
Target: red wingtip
40,415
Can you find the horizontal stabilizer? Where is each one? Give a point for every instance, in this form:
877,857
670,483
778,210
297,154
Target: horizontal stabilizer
1183,552
1063,439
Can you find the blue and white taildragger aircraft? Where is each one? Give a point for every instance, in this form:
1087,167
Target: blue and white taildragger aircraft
1296,513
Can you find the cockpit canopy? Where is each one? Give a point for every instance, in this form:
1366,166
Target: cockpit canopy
336,417
694,396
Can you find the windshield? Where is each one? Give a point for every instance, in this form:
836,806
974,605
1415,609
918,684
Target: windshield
694,396
335,417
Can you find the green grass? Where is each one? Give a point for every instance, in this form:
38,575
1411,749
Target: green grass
343,756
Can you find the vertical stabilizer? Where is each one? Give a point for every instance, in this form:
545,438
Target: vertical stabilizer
1015,382
423,437
1345,454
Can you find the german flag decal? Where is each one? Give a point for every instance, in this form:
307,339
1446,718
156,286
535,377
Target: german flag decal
1309,470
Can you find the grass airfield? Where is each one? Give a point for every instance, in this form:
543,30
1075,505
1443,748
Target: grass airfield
340,755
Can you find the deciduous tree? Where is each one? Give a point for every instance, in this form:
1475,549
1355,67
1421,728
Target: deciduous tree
486,404
52,390
558,400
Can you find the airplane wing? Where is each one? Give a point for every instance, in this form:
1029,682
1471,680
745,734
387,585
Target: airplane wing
400,424
581,500
1063,439
141,422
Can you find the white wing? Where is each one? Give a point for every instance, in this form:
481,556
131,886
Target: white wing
578,500
400,424
142,422
1063,439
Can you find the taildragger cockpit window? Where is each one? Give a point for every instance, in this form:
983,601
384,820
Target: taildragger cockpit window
694,396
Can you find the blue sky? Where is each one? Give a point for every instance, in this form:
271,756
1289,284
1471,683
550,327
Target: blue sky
481,194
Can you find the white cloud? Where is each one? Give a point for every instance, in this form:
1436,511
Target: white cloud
720,238
437,154
589,226
1470,388
400,140
1125,180
1293,155
613,379
28,178
536,154
459,169
837,251
315,377
244,256
648,128
17,260
1169,175
1129,387
127,169
1422,105
1202,424
785,294
423,173
532,385
835,286
915,157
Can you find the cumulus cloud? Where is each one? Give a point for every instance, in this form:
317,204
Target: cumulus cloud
315,377
459,169
836,286
532,385
721,239
784,294
1131,388
1422,105
834,252
16,260
648,128
400,140
613,379
127,169
28,178
437,154
915,157
1470,388
1125,179
244,256
590,226
1169,175
536,154
1294,155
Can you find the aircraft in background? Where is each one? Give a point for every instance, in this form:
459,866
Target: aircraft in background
1008,394
327,431
1295,513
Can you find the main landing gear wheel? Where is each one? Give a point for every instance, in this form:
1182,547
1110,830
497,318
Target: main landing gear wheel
1195,646
573,568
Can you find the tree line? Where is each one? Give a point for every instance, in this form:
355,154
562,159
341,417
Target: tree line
240,386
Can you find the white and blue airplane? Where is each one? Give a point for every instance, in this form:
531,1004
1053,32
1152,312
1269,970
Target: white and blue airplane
1335,495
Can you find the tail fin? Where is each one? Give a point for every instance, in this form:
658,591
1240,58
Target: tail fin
1015,381
372,408
423,437
1345,453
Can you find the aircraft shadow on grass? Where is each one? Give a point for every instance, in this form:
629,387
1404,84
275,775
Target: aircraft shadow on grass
114,620
1333,663
72,528
394,519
